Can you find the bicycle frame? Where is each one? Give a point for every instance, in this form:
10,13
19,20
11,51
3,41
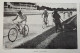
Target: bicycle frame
21,24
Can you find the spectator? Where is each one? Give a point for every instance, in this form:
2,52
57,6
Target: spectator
56,19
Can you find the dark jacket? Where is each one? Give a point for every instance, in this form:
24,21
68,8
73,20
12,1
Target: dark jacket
56,16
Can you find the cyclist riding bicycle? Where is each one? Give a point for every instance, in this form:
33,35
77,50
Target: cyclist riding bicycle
20,19
45,16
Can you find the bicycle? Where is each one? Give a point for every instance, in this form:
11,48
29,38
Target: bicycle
45,23
13,32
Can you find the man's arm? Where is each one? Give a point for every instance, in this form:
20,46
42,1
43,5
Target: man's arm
47,13
15,18
60,17
52,14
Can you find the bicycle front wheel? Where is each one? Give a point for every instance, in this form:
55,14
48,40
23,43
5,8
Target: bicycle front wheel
12,34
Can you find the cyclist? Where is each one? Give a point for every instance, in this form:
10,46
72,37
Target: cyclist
20,19
45,16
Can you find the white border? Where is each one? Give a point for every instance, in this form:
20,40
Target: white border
2,50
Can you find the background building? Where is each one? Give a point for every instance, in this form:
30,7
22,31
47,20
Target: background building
13,7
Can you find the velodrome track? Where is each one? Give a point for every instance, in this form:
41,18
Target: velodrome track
35,31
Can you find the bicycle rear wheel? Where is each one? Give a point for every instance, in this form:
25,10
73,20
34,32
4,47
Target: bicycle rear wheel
47,23
12,34
43,26
25,30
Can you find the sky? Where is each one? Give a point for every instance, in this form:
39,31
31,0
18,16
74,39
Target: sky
58,5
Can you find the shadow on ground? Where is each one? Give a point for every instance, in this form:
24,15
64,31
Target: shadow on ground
66,40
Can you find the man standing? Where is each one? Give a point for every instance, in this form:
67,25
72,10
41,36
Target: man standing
56,19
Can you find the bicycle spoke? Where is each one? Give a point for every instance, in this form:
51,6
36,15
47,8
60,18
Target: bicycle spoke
12,35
